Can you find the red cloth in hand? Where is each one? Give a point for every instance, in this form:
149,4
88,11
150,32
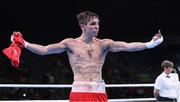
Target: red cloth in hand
13,52
17,38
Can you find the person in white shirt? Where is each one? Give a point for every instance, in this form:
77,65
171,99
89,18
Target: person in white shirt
178,93
166,83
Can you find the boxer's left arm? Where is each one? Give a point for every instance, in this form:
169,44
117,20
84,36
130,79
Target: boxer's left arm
116,46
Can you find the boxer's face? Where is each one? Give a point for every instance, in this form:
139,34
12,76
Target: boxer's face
92,27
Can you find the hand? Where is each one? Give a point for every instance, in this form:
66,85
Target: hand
157,36
17,38
156,40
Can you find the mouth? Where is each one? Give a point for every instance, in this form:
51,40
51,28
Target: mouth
96,31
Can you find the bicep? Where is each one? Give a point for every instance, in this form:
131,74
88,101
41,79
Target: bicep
157,87
116,46
158,83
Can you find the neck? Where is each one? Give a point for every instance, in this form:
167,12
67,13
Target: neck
86,39
166,73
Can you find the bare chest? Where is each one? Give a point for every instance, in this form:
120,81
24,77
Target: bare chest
87,50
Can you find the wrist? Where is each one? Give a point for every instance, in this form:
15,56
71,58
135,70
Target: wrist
150,44
153,43
26,44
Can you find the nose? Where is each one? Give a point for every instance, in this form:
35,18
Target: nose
97,27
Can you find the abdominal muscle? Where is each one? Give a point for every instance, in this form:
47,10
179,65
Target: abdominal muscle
87,72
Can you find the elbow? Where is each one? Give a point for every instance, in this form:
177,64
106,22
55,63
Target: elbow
44,51
42,54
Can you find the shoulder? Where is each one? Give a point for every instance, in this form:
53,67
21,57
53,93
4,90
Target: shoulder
174,75
160,77
67,40
105,41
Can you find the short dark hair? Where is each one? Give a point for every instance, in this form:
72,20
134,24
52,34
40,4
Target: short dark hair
167,63
85,16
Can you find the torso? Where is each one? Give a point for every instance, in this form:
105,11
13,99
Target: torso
86,59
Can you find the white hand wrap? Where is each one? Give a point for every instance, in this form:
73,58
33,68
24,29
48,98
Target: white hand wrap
12,38
25,44
153,43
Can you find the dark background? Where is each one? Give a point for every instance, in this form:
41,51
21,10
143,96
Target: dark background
46,22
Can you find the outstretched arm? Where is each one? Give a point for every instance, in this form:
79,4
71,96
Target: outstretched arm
44,50
39,49
116,46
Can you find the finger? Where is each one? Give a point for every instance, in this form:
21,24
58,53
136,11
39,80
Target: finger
14,32
159,31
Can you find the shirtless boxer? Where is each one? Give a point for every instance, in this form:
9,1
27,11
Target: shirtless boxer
87,55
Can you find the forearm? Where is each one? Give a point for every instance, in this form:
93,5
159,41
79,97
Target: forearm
123,46
136,46
156,94
38,49
44,50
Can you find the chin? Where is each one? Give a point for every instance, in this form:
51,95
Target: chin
95,35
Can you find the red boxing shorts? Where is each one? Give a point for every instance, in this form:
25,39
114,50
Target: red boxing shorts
88,91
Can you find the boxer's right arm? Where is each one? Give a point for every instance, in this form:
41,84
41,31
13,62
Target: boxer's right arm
36,48
45,50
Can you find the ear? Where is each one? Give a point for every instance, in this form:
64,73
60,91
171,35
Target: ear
82,26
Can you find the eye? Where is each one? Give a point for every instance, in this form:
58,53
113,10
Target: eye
93,23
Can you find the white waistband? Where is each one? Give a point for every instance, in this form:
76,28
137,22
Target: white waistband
80,86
